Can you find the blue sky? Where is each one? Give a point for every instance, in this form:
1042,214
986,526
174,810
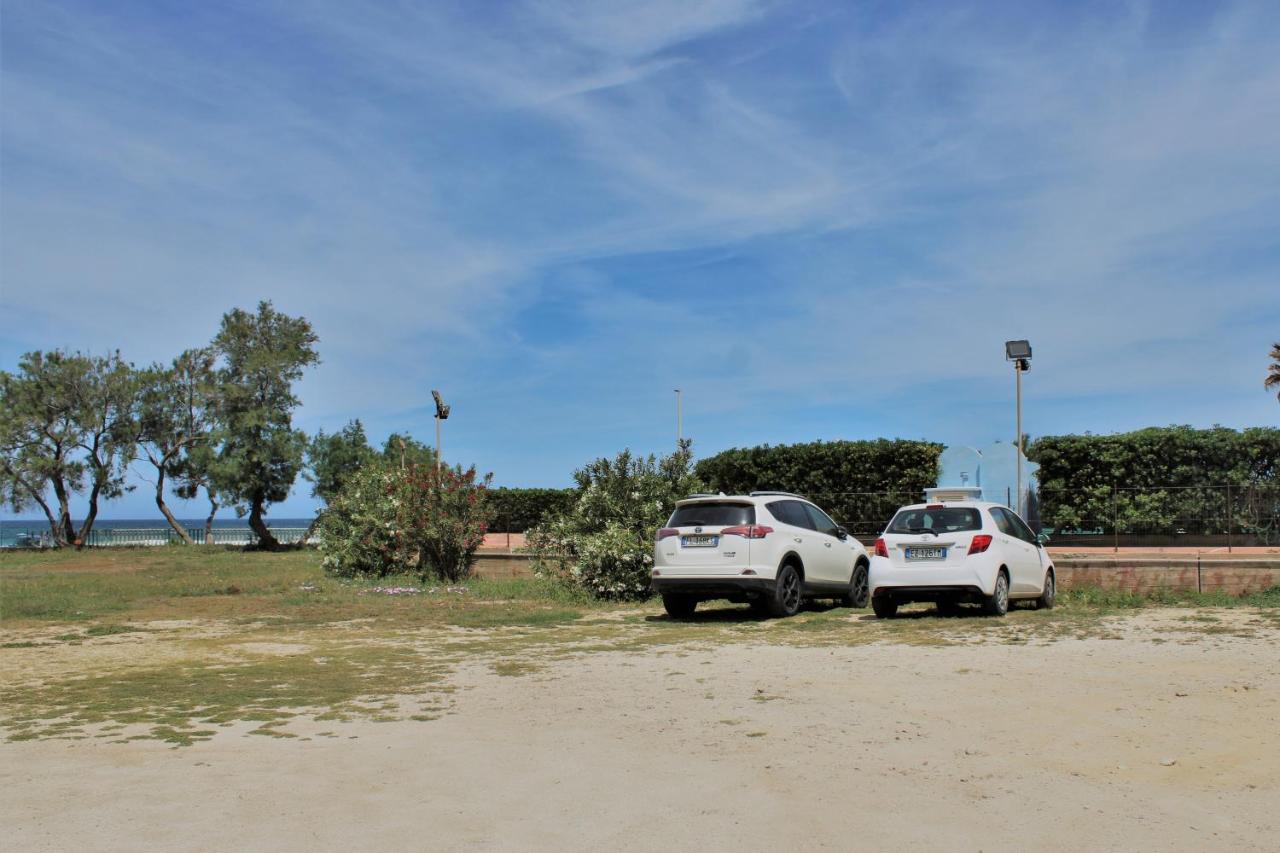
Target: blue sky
821,220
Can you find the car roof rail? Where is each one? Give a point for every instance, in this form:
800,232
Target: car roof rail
784,494
707,495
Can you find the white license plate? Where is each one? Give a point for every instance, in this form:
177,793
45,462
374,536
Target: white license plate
926,553
699,541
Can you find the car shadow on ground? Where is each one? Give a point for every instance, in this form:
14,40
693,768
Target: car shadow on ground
721,611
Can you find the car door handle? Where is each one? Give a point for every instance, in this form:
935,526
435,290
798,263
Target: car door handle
828,544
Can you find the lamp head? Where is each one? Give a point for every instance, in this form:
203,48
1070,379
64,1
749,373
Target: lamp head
1017,350
442,411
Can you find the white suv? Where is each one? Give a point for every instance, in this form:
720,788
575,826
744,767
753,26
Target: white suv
959,551
771,549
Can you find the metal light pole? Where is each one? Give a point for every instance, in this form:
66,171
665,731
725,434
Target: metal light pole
442,413
679,418
1019,352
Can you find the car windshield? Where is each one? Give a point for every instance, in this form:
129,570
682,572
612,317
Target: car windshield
935,520
712,514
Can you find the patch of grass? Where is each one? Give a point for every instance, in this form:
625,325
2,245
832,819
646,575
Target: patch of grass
174,698
1094,597
503,616
108,629
515,668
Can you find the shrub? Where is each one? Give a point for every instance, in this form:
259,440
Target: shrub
390,519
855,481
518,510
604,543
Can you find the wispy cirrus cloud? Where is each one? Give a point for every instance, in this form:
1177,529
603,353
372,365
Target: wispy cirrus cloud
574,204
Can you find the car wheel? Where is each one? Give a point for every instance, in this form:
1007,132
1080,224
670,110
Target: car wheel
859,588
884,607
1045,601
997,604
948,607
679,606
786,592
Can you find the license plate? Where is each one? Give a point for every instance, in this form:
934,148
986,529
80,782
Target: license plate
699,541
926,553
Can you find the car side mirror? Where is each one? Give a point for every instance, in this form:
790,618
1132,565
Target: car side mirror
1042,539
841,533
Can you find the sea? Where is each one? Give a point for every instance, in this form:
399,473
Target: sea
149,531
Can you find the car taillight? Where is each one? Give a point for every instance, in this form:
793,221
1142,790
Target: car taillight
882,550
980,543
750,531
667,531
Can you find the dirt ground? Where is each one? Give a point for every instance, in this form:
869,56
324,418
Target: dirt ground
1145,737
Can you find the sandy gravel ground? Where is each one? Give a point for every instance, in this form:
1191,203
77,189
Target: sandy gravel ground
1062,745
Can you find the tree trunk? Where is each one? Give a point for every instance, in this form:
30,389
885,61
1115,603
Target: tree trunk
164,508
256,524
64,533
44,505
82,538
208,522
311,528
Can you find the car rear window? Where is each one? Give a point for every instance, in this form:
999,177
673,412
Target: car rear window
950,519
712,514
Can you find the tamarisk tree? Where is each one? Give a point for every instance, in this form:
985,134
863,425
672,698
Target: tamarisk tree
176,419
260,453
68,423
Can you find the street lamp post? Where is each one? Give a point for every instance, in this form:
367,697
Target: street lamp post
442,413
679,418
1019,352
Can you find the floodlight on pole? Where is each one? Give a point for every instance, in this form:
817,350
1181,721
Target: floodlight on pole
442,413
1019,352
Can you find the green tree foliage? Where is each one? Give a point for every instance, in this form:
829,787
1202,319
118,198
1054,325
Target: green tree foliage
40,434
405,450
69,425
1273,371
176,419
604,543
332,459
849,479
261,453
389,519
518,510
1156,480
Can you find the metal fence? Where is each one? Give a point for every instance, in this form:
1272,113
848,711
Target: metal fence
1117,516
106,536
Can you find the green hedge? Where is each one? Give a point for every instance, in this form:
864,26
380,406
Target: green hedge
860,483
517,510
1164,480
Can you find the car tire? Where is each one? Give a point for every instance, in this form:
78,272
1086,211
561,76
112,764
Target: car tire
679,606
948,607
997,604
859,588
787,596
1046,599
884,607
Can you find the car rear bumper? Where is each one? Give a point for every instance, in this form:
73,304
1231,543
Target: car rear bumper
917,583
732,587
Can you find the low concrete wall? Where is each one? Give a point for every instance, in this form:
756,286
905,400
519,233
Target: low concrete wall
500,565
1232,575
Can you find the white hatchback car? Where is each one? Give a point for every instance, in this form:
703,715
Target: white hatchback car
959,551
771,549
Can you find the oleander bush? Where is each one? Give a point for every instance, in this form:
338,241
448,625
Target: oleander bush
603,544
392,519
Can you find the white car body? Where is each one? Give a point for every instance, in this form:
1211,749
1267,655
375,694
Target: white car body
735,546
929,552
